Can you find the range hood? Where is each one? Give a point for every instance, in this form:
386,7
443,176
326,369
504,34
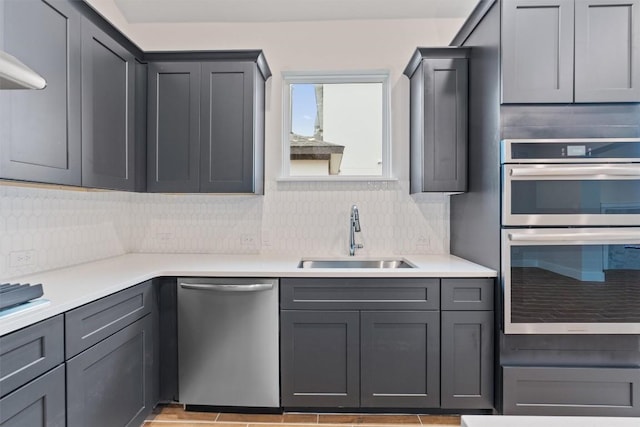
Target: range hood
15,75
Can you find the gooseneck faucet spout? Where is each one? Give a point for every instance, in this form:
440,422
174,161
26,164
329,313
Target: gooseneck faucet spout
354,227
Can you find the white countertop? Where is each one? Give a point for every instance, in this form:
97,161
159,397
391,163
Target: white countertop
70,287
546,421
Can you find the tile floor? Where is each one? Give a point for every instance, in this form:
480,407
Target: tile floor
175,416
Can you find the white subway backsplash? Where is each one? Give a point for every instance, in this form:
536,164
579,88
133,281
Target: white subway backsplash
45,228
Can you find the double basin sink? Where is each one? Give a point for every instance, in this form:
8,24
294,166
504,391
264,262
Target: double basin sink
355,263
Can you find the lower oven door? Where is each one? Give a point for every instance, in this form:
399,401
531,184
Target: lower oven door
571,281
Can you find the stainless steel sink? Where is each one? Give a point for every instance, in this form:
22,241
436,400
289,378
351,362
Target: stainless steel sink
354,263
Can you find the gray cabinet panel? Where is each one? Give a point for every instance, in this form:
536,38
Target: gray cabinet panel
173,134
445,125
30,352
400,360
227,127
360,293
467,359
572,391
140,121
108,95
607,51
93,322
111,383
319,358
41,403
467,294
537,51
40,129
439,115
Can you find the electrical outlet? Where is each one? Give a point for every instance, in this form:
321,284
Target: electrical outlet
247,240
22,258
164,237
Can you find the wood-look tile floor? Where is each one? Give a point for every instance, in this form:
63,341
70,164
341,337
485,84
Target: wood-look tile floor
175,416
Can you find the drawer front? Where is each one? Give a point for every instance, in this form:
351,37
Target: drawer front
30,352
360,293
93,322
467,294
571,391
40,403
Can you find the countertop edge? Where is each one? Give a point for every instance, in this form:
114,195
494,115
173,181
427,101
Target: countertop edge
71,287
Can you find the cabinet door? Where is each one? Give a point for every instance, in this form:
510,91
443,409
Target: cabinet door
40,129
108,95
40,403
173,133
111,383
607,51
319,358
444,147
227,127
30,352
467,359
537,51
400,360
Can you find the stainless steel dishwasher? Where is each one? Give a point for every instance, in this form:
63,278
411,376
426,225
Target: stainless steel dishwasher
228,342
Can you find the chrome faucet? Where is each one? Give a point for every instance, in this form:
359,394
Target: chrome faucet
354,227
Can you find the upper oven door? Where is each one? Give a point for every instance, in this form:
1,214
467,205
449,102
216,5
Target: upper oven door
571,194
571,281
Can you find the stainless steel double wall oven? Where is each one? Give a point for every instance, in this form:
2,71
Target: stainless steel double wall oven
571,236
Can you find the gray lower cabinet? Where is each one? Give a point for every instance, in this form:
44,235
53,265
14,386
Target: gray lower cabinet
438,132
467,343
108,111
400,360
563,51
320,358
32,381
360,343
567,390
40,403
110,383
40,129
206,125
467,359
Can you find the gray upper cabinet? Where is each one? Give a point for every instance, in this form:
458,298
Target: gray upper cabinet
108,95
40,129
173,133
607,51
206,123
228,126
537,51
439,104
563,51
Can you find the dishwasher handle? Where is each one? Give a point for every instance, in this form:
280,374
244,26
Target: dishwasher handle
219,287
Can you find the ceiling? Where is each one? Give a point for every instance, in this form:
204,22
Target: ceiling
219,11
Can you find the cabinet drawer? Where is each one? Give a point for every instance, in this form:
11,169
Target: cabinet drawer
93,322
40,403
571,391
30,352
360,293
467,294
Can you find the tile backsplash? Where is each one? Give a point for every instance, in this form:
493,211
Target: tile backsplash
46,228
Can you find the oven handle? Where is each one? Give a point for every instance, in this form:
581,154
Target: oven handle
590,171
593,236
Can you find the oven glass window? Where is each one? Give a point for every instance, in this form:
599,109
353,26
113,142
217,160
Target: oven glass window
575,197
575,284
